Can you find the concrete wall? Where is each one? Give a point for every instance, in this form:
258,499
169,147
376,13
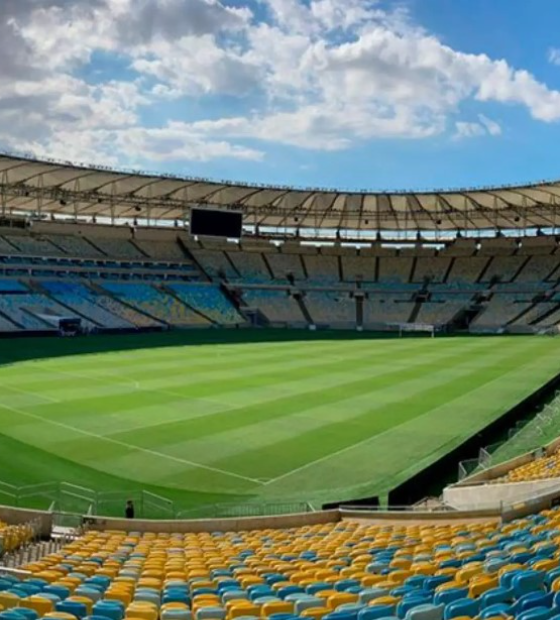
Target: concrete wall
19,516
413,517
213,525
496,496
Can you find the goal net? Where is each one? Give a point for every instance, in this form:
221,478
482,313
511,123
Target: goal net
417,328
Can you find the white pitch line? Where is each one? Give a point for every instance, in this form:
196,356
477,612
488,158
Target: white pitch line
123,444
325,458
28,393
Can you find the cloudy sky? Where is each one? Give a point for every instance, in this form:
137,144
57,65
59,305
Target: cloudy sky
349,93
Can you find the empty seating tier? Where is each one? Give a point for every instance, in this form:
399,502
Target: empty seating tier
542,468
336,571
156,303
210,301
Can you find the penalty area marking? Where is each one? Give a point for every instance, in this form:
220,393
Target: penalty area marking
130,446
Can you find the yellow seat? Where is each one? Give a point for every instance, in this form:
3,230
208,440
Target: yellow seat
82,599
141,611
9,600
480,586
372,580
41,605
174,605
341,598
384,600
114,594
277,607
59,615
250,609
316,613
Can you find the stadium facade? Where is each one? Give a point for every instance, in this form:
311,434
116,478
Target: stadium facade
89,249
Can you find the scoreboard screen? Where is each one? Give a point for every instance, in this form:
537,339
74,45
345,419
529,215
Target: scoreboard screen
214,223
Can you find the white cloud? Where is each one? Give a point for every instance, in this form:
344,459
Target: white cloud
319,74
484,127
553,55
492,127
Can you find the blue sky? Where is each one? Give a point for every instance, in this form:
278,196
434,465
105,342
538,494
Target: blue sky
356,94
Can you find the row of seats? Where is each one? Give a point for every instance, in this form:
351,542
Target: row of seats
328,269
340,571
501,309
14,536
276,305
209,300
328,307
34,311
90,247
541,468
156,303
85,302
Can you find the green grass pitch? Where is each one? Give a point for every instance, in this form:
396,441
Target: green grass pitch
204,417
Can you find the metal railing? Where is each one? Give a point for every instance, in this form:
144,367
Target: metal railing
248,509
69,503
526,435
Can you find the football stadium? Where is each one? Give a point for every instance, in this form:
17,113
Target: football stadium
229,400
290,394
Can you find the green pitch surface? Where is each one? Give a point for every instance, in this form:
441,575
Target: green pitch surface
204,417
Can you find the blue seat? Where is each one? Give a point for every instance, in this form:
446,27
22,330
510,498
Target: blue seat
533,599
425,612
317,587
496,595
402,591
499,609
97,618
376,612
342,615
448,596
345,584
10,614
37,582
273,578
406,604
287,590
521,558
527,581
432,583
416,581
110,609
537,613
176,596
461,607
450,564
28,614
72,607
100,580
506,580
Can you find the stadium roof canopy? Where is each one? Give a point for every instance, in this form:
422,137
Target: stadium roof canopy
48,187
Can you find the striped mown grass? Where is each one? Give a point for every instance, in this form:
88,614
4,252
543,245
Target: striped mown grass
203,417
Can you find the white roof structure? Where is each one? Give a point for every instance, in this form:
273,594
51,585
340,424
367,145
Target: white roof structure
46,187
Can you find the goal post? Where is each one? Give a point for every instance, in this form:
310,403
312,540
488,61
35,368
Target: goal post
416,328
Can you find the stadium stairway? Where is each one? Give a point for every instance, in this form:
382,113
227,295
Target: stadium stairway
36,286
415,311
32,552
301,303
107,293
169,291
